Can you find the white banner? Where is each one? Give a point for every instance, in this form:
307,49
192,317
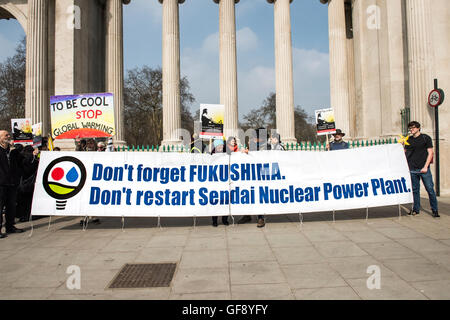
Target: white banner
144,184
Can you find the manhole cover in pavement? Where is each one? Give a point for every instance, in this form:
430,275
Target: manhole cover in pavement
144,275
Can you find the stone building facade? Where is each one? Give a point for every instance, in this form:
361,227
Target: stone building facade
384,55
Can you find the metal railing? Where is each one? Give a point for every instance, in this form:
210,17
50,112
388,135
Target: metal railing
302,146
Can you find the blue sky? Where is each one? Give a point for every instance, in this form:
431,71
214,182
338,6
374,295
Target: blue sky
199,46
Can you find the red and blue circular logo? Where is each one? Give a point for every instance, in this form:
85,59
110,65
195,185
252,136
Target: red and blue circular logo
64,177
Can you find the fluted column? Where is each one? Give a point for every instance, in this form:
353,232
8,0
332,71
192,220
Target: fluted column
36,81
339,82
228,66
114,63
171,72
283,69
421,60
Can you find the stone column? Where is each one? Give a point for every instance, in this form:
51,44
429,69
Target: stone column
421,60
283,69
36,82
171,72
228,66
395,33
339,85
114,63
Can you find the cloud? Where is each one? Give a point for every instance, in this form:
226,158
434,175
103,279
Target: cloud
246,40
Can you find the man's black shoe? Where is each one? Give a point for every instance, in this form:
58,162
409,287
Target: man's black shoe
2,235
14,230
436,214
245,219
412,213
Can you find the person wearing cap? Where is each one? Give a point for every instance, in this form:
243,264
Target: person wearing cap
337,143
101,146
419,154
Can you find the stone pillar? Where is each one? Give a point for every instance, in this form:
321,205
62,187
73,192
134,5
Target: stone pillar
396,68
228,65
351,89
283,69
114,63
339,82
36,82
421,60
171,72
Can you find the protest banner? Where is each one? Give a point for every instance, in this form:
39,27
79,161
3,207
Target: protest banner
211,117
184,184
22,131
37,134
325,122
83,116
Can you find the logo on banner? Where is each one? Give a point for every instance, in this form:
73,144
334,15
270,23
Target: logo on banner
64,178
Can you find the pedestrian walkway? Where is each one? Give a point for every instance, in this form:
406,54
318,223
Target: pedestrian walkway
316,259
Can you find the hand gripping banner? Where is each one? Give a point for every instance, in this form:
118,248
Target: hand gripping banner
153,184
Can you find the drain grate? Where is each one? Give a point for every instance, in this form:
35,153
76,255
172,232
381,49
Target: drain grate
144,275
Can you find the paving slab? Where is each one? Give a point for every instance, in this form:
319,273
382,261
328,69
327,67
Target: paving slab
267,291
159,255
198,280
287,239
365,236
417,269
392,288
339,249
249,254
319,259
388,250
356,267
205,259
338,293
298,255
256,273
436,290
312,276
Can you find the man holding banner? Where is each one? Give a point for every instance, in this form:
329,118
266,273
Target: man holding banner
10,171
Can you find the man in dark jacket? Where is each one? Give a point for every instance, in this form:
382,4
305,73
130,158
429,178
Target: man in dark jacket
11,162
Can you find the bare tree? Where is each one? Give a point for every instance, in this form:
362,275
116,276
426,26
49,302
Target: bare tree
12,87
265,117
143,106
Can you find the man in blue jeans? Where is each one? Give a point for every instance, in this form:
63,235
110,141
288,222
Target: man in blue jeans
419,154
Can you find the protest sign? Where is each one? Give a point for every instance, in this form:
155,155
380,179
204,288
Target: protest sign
22,131
83,116
325,122
37,134
211,117
184,184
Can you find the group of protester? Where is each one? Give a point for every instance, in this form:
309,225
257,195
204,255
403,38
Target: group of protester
18,168
418,152
91,145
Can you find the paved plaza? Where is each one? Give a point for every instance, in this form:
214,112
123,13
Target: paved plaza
319,259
